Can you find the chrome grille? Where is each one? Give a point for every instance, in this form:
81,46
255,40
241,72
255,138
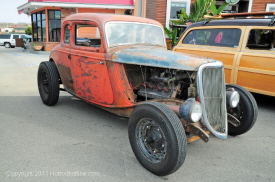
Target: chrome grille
213,91
212,94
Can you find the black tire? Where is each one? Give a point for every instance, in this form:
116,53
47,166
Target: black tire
48,83
7,45
161,149
246,111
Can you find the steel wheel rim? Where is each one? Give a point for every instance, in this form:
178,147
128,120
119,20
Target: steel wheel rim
237,112
151,140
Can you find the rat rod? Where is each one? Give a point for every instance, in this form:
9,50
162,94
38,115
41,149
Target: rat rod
120,63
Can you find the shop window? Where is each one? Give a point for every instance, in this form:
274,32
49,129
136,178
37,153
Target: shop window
87,35
39,26
54,25
231,8
174,8
43,28
270,7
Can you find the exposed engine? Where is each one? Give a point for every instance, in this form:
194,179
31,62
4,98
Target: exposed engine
160,83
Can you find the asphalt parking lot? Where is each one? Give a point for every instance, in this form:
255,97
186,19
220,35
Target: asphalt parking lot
75,141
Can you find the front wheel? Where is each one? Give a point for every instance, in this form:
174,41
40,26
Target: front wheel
48,83
246,111
157,138
7,45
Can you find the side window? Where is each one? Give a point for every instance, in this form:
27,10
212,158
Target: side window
67,34
87,35
15,36
261,39
7,36
214,37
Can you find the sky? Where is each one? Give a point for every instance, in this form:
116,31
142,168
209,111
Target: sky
8,11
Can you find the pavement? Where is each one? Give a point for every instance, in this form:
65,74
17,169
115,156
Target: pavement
75,141
18,71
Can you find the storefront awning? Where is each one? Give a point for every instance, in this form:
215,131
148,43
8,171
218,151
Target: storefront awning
33,5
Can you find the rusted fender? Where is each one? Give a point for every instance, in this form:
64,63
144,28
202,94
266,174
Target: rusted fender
160,58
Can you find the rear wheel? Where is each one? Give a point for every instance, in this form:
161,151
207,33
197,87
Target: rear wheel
48,83
7,45
246,111
157,138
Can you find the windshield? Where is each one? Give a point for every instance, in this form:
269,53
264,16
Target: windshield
128,33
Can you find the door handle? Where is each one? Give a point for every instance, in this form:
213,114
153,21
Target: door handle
69,56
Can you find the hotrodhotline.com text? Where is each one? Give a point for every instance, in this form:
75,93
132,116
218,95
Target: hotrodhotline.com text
50,173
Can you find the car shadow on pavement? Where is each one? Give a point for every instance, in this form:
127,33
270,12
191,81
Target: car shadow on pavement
264,101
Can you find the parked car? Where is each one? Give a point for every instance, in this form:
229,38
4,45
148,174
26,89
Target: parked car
124,68
8,40
245,46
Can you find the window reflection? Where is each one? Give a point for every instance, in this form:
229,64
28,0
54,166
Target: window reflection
176,9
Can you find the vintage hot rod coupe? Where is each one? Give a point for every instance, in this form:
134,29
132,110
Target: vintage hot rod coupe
120,63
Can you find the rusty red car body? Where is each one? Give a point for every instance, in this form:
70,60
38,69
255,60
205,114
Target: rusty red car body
89,86
171,98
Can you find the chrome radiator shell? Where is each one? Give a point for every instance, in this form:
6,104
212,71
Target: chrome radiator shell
212,93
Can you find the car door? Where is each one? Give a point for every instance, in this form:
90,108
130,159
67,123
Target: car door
13,43
256,63
220,43
90,74
62,58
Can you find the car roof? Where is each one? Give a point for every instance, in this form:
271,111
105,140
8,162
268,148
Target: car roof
102,18
233,22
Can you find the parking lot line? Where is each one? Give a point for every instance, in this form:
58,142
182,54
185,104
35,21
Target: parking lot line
14,53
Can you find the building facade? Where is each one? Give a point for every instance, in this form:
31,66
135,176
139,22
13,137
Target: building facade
166,10
47,15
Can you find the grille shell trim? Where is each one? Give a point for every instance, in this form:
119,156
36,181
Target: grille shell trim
221,109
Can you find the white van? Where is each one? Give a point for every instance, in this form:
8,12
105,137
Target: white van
8,40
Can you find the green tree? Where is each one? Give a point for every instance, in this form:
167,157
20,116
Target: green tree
214,11
28,30
172,34
201,8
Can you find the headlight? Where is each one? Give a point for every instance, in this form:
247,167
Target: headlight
191,110
232,98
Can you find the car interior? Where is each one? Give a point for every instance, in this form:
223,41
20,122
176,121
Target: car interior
87,35
261,39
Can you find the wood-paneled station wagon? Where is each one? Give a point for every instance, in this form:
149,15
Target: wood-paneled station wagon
245,45
120,63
